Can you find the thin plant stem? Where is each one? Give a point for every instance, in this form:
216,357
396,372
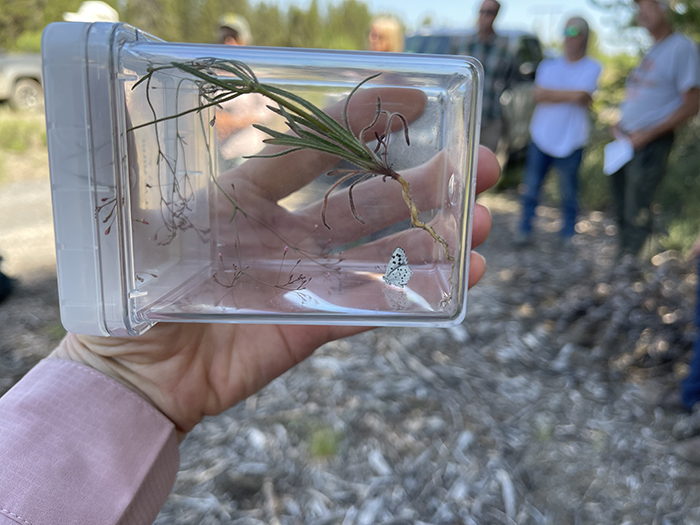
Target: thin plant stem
220,81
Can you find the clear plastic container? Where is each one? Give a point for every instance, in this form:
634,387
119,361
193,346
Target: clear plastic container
161,217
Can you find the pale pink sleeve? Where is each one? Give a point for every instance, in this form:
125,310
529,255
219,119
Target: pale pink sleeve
77,447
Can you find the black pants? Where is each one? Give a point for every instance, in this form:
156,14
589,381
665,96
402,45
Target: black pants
5,287
634,187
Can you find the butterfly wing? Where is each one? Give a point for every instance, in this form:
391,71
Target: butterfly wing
398,258
400,276
398,272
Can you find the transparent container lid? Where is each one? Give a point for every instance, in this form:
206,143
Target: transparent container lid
176,196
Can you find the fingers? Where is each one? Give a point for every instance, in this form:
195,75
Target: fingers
481,225
379,202
278,177
487,171
363,107
477,267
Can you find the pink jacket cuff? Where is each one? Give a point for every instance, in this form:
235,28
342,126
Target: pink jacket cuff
77,447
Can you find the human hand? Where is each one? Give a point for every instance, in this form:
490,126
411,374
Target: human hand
191,370
225,125
584,99
640,139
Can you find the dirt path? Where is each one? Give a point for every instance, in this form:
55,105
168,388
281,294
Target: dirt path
26,230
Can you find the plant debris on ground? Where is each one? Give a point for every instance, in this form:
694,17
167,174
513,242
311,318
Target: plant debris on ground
533,411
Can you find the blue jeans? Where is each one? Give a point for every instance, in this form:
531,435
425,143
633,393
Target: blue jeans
690,386
536,168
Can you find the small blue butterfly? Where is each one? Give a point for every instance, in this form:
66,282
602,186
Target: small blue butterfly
398,272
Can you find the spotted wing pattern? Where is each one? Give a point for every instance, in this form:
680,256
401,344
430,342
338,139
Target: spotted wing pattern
398,272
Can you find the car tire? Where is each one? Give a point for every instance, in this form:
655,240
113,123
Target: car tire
27,95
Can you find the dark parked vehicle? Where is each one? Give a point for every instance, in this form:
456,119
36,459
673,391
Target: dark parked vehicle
20,81
517,102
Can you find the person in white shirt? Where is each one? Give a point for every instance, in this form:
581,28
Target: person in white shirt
661,95
560,127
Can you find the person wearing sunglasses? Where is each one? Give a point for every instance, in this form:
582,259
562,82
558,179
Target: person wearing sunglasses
661,95
494,54
559,128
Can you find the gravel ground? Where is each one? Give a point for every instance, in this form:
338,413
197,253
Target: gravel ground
534,411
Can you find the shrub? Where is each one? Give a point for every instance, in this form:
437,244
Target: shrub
19,134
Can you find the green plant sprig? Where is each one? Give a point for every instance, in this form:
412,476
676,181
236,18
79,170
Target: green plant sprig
312,128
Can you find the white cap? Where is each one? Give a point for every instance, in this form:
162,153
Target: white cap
93,11
238,24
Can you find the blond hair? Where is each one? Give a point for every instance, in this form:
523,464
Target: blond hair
390,28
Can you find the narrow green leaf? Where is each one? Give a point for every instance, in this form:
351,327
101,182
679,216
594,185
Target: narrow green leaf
272,155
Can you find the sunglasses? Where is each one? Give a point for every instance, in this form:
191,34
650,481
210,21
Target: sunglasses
489,12
572,31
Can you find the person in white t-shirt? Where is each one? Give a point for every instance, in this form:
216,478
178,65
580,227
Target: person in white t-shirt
660,96
560,127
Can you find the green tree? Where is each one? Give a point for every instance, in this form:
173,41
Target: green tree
268,25
338,26
686,17
296,30
347,25
21,21
313,26
685,14
158,17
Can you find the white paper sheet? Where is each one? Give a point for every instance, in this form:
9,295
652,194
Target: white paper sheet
617,154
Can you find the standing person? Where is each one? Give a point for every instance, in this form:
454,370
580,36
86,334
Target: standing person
234,120
560,127
660,96
385,34
492,51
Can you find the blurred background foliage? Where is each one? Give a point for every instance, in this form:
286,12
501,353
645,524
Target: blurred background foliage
343,24
685,13
677,205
